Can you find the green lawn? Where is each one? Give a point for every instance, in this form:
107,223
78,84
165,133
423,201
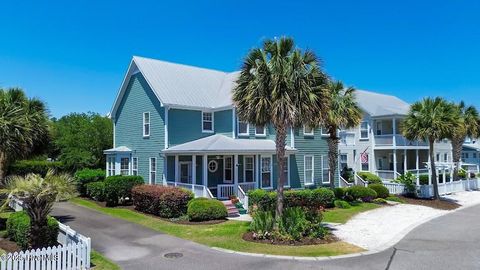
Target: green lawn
338,215
102,263
226,235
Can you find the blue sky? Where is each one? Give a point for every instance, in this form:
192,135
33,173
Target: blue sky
73,54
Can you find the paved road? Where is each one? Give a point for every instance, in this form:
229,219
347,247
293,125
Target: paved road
448,242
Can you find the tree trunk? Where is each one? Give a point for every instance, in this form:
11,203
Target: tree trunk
332,155
38,211
3,167
280,145
457,144
433,169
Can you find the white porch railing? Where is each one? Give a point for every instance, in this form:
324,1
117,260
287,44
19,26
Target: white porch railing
225,191
396,140
387,175
394,188
198,190
243,197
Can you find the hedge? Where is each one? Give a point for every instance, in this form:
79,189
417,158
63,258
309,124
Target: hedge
24,167
18,229
423,178
203,209
96,190
119,188
85,176
364,194
167,202
339,192
381,190
312,199
370,177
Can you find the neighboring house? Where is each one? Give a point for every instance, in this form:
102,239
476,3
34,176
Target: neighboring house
377,144
176,124
471,152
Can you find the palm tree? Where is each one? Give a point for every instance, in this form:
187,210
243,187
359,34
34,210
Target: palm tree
283,86
343,113
23,126
469,127
38,195
429,120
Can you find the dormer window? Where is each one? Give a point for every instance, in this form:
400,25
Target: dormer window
260,131
207,122
307,130
243,128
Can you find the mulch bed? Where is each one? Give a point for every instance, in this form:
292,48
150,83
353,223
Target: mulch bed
248,236
441,204
9,246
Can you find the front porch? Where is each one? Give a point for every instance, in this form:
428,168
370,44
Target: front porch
390,164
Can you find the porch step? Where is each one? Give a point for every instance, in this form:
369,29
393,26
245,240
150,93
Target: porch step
231,209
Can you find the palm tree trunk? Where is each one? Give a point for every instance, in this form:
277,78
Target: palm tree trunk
433,169
332,156
3,166
280,145
457,145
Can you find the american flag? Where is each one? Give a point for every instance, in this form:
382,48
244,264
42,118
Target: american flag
364,158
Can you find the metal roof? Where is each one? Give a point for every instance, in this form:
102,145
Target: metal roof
376,104
117,150
222,144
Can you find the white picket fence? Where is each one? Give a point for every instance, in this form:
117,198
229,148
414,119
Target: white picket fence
73,253
394,188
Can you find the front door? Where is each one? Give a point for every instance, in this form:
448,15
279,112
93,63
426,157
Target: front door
186,172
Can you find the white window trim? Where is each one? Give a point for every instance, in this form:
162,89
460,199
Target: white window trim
145,123
287,185
128,164
324,134
264,134
225,168
150,170
245,169
213,162
134,161
368,131
308,133
305,170
323,158
213,122
271,172
238,128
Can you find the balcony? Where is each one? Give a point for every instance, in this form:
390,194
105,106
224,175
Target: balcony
391,140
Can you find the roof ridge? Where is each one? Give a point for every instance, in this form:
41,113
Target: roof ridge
183,65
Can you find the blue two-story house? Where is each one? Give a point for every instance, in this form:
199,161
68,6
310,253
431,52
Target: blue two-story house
176,125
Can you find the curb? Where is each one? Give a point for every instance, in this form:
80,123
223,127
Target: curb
383,247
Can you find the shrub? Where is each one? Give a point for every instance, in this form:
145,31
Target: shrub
85,176
119,187
370,178
394,199
294,224
96,190
342,204
364,194
262,224
381,190
423,178
202,209
18,229
309,199
347,174
167,202
409,180
24,167
379,201
462,174
339,193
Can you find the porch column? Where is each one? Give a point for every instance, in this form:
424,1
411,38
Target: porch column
430,169
235,171
417,166
176,168
394,125
205,170
394,163
405,166
257,171
194,169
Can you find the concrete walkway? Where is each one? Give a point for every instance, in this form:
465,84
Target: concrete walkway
447,242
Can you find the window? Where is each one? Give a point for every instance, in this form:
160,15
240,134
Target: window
467,155
153,170
111,166
286,162
474,155
364,130
124,166
266,172
308,131
260,131
325,170
185,172
146,124
228,169
324,132
135,166
445,157
438,158
379,128
248,169
308,170
207,122
212,166
243,128
343,161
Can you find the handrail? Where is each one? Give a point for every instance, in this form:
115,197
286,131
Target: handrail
345,182
363,182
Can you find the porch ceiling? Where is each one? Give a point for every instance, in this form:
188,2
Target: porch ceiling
222,144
